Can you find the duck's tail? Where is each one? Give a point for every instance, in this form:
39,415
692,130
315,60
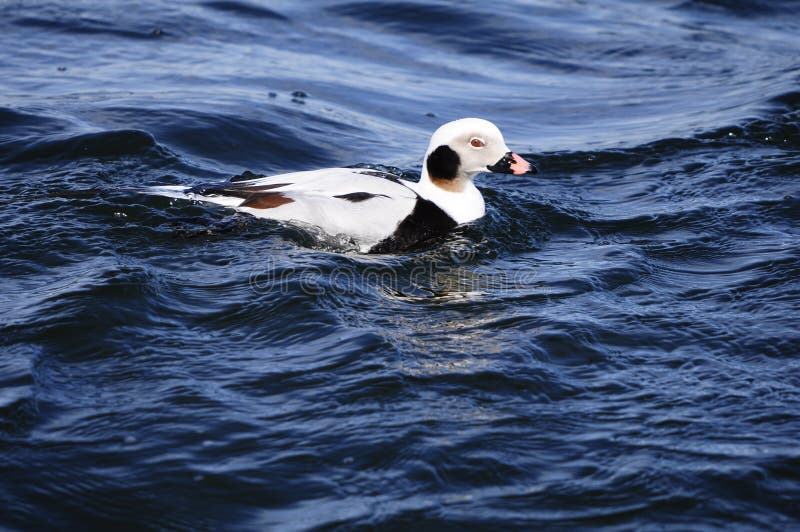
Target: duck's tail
191,193
169,191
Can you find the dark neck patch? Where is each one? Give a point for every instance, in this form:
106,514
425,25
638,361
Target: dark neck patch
443,163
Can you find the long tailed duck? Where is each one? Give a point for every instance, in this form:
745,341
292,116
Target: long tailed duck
378,211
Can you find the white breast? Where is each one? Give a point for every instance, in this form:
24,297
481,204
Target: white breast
463,206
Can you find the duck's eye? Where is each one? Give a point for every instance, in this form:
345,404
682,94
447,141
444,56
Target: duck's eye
475,142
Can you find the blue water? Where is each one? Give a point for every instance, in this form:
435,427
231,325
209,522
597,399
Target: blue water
615,345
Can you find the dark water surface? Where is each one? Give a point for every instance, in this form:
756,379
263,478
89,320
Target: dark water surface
615,345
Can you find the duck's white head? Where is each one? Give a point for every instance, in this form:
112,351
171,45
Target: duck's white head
463,148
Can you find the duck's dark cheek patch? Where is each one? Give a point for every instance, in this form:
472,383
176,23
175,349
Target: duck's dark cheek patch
443,163
266,200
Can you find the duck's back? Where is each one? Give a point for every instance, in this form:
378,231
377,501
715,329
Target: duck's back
366,205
